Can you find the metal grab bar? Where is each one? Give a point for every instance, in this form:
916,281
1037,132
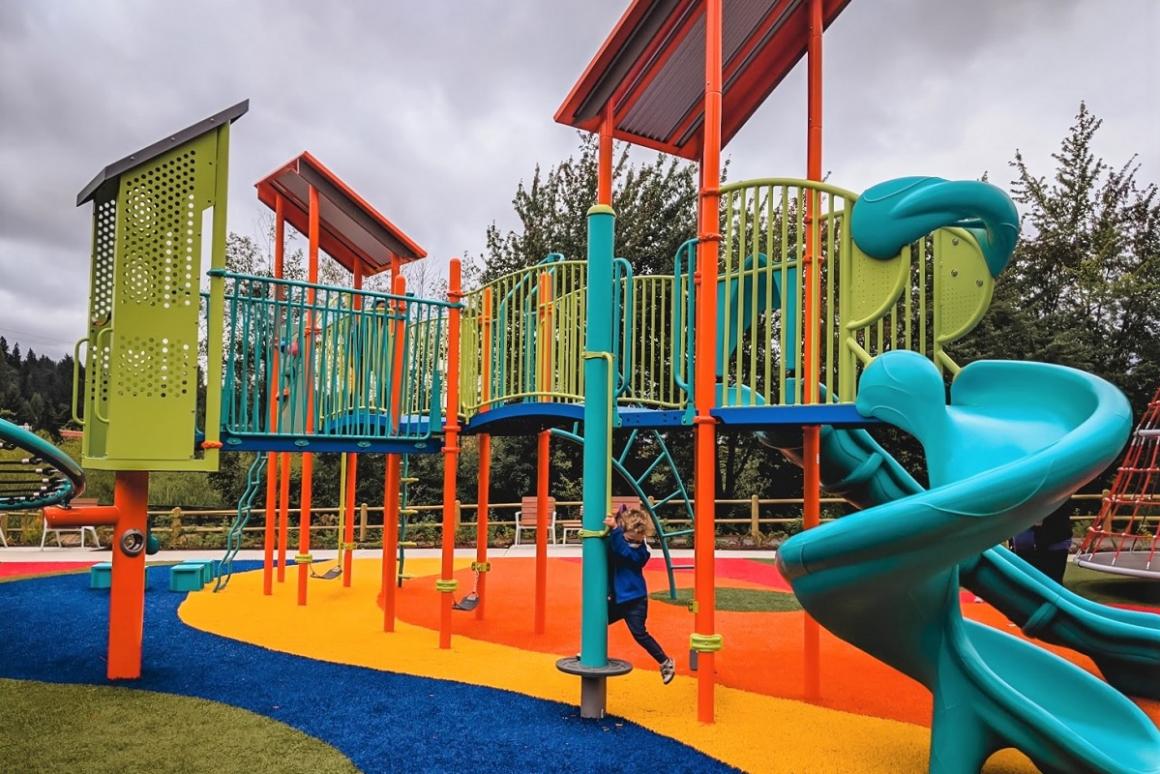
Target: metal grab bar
76,380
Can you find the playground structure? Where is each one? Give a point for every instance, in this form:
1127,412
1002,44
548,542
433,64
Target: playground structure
1134,501
800,310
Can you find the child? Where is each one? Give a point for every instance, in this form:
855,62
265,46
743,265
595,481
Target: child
627,593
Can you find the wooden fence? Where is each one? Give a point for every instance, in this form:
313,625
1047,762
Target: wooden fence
174,522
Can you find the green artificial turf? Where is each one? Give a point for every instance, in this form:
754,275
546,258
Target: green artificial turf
738,600
1112,589
70,728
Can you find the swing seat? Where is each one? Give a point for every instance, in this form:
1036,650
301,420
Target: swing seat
470,602
330,574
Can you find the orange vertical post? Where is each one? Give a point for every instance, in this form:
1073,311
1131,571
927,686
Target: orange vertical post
347,537
811,312
391,486
283,515
271,517
483,499
704,387
543,465
450,454
543,456
303,559
127,594
273,395
604,159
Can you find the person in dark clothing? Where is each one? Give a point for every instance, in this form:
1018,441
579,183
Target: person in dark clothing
627,592
1046,545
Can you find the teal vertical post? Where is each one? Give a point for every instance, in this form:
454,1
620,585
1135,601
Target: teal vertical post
598,374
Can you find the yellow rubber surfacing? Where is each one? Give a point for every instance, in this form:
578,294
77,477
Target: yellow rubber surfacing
753,731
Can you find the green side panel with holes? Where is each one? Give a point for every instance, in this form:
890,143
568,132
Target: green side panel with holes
100,316
963,284
875,285
149,251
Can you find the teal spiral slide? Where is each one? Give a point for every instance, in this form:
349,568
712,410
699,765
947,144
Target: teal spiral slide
1125,644
1016,441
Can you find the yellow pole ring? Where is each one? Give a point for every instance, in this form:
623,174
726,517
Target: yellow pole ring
446,586
706,643
481,566
349,546
594,533
303,559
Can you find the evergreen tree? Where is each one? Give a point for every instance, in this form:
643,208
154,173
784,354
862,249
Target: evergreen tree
1083,288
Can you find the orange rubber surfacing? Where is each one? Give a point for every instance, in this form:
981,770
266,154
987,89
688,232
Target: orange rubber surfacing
762,651
855,727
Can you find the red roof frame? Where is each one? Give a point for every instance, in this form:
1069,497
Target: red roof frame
650,53
351,230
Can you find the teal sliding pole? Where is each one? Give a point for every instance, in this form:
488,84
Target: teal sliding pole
598,375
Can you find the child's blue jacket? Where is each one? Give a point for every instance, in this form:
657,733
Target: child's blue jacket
625,565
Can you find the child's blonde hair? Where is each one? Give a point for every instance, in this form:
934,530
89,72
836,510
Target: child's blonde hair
636,520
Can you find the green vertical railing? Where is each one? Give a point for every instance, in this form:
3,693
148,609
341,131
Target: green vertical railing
537,328
865,306
917,301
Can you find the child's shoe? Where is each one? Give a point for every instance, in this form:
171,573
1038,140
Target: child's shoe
668,671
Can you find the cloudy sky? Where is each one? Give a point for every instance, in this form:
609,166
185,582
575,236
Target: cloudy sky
434,110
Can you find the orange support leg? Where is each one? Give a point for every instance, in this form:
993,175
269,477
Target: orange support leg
811,439
303,558
392,485
347,537
390,540
450,456
127,595
271,515
481,530
283,516
705,387
543,462
483,500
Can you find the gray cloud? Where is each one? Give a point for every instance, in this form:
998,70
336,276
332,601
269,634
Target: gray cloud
434,112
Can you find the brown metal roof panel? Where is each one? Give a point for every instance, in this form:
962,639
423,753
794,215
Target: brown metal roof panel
149,152
351,229
619,52
652,65
358,210
679,88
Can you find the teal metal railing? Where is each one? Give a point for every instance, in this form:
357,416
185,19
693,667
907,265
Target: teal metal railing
304,359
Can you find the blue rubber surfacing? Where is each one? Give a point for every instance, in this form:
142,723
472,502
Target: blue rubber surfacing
55,631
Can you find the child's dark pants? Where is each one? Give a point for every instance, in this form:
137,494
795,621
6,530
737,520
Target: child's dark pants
634,612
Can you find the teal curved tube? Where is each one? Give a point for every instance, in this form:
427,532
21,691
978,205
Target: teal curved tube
891,215
1016,440
65,481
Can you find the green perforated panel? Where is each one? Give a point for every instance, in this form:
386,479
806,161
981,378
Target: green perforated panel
875,284
962,284
100,313
141,399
